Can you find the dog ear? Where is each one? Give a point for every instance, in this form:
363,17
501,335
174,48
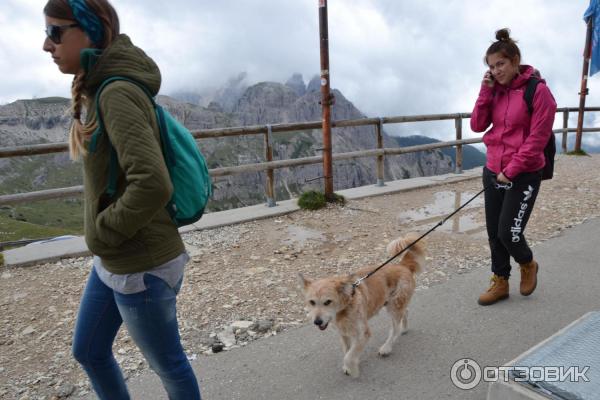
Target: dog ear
346,289
303,282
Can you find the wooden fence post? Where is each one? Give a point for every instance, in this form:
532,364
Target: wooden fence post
459,148
270,174
380,159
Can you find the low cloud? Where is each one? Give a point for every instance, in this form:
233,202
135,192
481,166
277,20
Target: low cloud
387,57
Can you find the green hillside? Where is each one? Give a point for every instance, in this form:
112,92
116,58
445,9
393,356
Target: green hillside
11,229
471,156
41,219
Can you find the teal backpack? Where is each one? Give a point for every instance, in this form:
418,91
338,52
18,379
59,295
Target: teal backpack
187,167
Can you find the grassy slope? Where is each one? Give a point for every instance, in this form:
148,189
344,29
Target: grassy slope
41,219
11,229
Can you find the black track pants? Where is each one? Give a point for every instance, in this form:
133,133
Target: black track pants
506,214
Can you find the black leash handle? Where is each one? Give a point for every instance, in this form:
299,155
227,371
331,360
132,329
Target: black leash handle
360,280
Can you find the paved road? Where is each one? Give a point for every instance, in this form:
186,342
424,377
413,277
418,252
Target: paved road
446,324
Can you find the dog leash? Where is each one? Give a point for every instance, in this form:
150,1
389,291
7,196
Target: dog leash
506,186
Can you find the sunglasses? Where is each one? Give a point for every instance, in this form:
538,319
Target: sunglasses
54,32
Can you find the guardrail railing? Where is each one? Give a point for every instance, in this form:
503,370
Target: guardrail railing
270,165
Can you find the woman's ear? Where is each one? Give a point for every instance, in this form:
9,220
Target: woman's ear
516,61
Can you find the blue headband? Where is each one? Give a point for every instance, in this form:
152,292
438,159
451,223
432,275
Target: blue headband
89,22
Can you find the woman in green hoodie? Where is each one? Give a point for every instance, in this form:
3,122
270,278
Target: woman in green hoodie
139,256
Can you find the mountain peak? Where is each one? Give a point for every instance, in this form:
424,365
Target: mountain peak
314,85
296,83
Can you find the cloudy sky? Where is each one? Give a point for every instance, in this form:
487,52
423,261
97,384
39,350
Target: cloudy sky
389,57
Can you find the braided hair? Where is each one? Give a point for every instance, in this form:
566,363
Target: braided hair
80,100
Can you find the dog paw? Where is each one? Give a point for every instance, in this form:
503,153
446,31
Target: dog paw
352,372
385,351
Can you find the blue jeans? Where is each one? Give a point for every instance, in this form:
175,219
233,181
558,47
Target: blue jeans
151,319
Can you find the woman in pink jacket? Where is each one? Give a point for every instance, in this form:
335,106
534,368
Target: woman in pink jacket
515,157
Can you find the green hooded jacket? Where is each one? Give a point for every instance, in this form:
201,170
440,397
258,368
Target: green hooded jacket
132,232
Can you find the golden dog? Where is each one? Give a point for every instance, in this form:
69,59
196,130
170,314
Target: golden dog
336,299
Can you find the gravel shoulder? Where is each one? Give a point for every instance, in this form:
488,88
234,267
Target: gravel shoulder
241,283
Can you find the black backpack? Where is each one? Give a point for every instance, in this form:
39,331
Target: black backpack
550,149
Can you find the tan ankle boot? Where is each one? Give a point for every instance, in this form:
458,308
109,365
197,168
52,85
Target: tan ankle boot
497,291
528,277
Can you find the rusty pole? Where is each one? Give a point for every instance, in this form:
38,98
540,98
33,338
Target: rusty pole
587,53
326,100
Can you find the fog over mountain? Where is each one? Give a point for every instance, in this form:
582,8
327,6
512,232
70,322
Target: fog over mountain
390,57
235,104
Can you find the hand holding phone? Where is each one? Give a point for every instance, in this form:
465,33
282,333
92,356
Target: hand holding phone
488,79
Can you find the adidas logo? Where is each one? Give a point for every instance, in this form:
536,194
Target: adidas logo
518,221
528,193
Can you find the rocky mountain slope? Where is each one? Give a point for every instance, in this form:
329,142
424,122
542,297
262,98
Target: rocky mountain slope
237,104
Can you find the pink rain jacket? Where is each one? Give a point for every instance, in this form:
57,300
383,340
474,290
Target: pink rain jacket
516,141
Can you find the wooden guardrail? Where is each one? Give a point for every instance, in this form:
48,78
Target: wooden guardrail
269,165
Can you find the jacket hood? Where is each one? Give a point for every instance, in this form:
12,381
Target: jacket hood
525,72
121,58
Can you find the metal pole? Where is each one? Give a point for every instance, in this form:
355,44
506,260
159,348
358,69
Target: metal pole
587,52
326,100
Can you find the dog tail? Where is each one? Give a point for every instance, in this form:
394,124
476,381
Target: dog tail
414,257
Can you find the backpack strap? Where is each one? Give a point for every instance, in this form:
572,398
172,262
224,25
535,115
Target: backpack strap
550,148
100,129
532,83
168,151
113,167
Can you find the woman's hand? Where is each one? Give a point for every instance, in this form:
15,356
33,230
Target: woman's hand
502,178
488,79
